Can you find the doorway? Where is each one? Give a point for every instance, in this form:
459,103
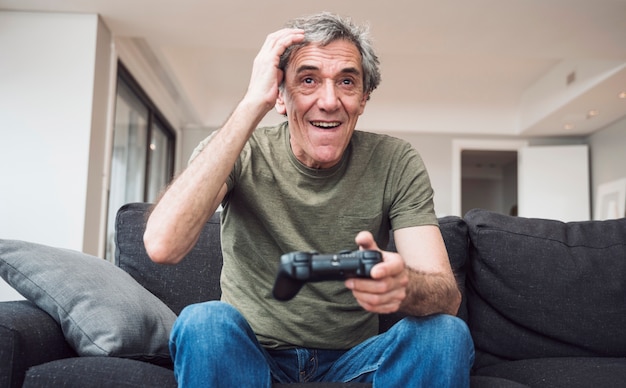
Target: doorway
489,181
498,159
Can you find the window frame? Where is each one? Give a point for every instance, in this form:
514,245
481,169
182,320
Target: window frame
154,121
154,115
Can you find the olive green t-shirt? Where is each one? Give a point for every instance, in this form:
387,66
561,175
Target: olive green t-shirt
277,205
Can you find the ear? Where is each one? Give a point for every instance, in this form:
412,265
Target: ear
363,102
280,104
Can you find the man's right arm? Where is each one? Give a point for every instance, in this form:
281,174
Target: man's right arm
178,218
176,221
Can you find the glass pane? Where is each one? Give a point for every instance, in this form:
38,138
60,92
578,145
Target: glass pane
129,157
159,172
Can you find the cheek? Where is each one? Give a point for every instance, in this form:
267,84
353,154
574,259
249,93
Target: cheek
361,109
362,105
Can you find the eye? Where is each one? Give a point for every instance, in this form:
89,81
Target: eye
349,83
308,81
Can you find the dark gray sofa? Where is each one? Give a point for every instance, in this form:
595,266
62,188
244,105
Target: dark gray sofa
545,302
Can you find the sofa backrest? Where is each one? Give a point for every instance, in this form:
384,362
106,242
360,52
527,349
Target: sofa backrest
197,277
543,288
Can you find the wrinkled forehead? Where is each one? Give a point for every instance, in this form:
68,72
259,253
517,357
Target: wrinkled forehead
308,44
336,57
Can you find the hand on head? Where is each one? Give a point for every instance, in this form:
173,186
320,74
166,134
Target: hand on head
266,74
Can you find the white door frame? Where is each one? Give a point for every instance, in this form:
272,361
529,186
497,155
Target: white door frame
459,145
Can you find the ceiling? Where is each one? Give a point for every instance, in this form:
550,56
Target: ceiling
494,67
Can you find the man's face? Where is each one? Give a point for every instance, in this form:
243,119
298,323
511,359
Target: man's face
323,98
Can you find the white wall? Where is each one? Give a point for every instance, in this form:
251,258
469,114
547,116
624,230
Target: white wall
53,112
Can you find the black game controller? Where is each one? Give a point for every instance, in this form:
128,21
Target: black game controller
297,268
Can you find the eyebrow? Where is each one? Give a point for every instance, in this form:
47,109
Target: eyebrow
304,68
347,70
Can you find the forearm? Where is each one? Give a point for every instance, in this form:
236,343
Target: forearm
430,293
179,216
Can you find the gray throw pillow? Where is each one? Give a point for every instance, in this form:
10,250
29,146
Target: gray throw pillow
101,309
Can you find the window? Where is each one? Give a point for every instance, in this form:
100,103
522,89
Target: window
142,162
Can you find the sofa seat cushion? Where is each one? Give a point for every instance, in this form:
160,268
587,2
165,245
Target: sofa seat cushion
494,382
543,288
112,372
566,372
28,336
102,372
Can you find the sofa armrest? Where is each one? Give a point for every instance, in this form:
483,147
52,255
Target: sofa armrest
28,337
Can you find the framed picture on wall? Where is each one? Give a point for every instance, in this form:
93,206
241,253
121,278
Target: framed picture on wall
611,200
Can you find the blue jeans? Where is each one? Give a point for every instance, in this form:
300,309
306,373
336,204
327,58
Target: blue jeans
212,345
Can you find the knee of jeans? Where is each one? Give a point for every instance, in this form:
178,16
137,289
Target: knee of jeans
458,337
207,314
453,325
447,326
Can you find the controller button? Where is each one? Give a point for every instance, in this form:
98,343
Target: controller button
301,257
370,255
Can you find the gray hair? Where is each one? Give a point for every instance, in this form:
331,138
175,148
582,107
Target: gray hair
324,28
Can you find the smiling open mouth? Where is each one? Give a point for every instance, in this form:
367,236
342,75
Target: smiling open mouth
326,124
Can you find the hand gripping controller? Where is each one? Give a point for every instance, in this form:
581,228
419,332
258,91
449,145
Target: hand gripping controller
297,268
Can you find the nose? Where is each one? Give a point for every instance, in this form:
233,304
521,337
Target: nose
328,99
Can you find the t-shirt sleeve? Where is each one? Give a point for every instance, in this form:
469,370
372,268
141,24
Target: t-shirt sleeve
230,180
412,203
196,151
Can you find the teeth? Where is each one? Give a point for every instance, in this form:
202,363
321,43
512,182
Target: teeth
326,124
